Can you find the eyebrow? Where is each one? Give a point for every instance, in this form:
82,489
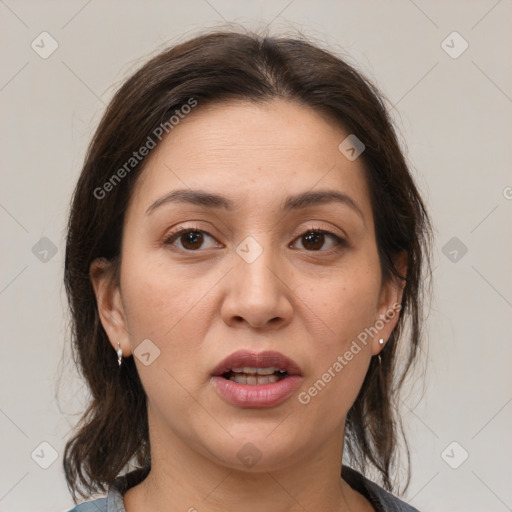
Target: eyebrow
291,203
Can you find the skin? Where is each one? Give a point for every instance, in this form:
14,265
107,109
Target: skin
199,306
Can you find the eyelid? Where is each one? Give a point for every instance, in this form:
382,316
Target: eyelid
339,240
336,232
173,235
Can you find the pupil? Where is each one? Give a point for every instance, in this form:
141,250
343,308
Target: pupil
194,239
315,240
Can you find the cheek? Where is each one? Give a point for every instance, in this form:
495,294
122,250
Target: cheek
342,305
173,308
339,309
158,298
168,308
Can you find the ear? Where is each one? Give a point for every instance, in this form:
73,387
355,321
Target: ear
109,303
389,305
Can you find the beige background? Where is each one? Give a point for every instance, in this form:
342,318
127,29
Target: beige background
454,116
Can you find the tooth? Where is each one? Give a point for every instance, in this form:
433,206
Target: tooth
266,371
255,371
270,379
253,380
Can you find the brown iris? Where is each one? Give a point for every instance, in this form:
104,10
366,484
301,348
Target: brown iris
192,240
315,240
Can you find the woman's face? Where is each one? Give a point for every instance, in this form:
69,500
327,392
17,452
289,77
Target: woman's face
250,276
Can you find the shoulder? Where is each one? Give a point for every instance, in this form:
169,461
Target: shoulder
113,501
97,505
381,500
388,501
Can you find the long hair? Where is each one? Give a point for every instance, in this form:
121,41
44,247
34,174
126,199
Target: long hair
214,67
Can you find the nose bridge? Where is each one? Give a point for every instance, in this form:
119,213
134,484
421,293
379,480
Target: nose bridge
257,292
257,258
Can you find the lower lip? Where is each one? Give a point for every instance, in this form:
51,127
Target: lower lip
258,396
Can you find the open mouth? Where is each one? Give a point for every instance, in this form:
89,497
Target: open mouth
255,376
263,379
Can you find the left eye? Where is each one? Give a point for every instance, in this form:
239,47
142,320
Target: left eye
312,240
315,239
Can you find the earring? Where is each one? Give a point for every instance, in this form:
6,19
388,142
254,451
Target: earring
119,353
381,342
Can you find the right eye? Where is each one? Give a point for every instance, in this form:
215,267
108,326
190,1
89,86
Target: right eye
190,239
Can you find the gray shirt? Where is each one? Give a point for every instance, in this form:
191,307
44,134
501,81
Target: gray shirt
381,500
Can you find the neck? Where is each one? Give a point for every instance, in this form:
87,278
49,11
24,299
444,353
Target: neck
185,480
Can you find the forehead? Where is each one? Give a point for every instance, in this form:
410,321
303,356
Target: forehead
253,153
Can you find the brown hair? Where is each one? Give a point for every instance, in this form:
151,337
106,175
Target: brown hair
212,68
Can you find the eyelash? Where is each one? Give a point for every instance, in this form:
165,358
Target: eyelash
339,242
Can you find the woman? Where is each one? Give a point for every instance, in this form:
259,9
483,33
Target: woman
245,246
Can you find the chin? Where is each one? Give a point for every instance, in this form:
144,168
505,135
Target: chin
256,448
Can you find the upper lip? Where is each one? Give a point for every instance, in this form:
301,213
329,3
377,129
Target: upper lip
266,359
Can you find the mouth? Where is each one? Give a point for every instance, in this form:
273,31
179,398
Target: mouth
248,379
255,376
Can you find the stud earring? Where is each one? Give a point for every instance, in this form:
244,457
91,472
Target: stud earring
119,353
381,342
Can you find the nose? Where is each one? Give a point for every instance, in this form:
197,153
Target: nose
258,294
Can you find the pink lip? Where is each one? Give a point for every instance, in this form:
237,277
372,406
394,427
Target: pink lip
257,396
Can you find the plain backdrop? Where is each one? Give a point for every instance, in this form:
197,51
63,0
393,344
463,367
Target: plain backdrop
444,67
